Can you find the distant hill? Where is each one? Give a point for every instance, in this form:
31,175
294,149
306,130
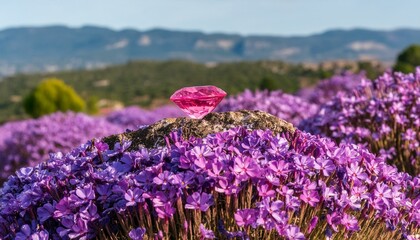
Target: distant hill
28,49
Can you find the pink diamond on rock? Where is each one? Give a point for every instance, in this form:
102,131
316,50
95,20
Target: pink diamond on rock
198,101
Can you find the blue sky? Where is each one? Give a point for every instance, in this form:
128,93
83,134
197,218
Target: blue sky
268,17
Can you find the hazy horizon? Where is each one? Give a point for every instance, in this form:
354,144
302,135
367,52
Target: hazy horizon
244,17
209,32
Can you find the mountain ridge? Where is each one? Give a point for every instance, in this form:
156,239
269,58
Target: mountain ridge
58,47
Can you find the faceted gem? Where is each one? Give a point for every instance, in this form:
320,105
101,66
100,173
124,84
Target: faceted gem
198,101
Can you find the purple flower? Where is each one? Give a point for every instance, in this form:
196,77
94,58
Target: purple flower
264,190
183,179
125,164
29,142
73,227
133,196
350,222
202,152
293,233
246,217
325,166
327,89
205,233
312,224
24,173
216,169
40,235
381,115
201,201
137,234
62,208
166,211
310,197
413,237
303,163
334,219
45,212
86,193
25,233
356,172
244,167
162,179
280,168
383,194
104,192
410,135
89,213
226,187
119,148
285,106
271,211
76,194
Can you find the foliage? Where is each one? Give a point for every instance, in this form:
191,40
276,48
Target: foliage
285,106
269,84
234,184
408,59
148,83
383,114
92,105
50,96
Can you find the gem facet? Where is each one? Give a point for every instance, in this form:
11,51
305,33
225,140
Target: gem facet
198,101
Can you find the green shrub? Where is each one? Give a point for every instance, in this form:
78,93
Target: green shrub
268,83
52,95
408,59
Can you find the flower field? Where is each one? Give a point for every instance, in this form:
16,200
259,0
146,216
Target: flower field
382,114
351,170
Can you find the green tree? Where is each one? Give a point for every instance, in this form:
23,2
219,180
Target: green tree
52,95
408,59
269,84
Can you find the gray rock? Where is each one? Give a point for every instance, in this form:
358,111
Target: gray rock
154,134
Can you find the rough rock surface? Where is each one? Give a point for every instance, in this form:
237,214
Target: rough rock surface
154,134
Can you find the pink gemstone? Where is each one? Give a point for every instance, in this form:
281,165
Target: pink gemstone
198,101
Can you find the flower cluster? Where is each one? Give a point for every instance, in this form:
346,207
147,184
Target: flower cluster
285,106
6,131
241,183
327,89
133,117
26,143
383,115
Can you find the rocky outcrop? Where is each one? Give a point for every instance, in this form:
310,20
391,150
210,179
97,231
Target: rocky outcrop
154,134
